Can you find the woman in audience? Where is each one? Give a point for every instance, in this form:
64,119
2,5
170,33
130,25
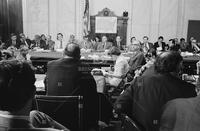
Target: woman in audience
121,67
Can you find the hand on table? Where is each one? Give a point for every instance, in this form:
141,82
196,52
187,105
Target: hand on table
105,73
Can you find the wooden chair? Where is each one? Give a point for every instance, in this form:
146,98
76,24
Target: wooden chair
66,110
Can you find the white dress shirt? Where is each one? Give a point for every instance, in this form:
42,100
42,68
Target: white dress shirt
60,45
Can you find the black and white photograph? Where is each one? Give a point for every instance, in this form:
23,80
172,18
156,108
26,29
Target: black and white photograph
99,65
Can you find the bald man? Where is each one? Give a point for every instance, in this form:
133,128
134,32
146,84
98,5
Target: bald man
67,76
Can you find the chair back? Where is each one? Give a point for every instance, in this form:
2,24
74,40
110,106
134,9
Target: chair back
66,110
128,124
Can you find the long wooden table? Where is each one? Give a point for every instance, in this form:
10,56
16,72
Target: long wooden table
100,59
95,60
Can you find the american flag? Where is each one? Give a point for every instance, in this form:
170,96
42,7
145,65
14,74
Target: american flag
86,19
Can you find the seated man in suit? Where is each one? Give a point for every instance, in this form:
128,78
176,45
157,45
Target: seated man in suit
86,44
60,43
146,45
17,91
104,44
160,45
24,40
144,99
118,43
50,43
67,76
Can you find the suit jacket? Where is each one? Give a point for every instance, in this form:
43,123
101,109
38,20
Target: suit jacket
119,45
67,76
147,47
163,46
144,99
43,44
26,42
9,43
104,46
50,44
181,115
136,61
86,45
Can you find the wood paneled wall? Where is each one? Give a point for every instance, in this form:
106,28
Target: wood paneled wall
11,18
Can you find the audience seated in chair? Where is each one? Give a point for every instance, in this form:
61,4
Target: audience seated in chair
121,67
68,76
17,91
137,59
144,99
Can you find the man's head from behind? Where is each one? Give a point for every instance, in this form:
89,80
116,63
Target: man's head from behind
169,62
72,50
16,85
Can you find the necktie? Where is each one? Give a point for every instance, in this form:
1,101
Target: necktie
61,46
105,46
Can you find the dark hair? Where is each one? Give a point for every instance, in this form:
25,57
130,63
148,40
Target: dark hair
146,37
72,50
173,41
182,39
59,34
114,51
168,62
16,84
132,38
12,34
42,35
160,37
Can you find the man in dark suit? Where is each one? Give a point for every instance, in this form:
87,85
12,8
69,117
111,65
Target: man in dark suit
13,42
118,43
160,45
24,40
146,45
144,99
67,76
50,43
104,44
86,43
